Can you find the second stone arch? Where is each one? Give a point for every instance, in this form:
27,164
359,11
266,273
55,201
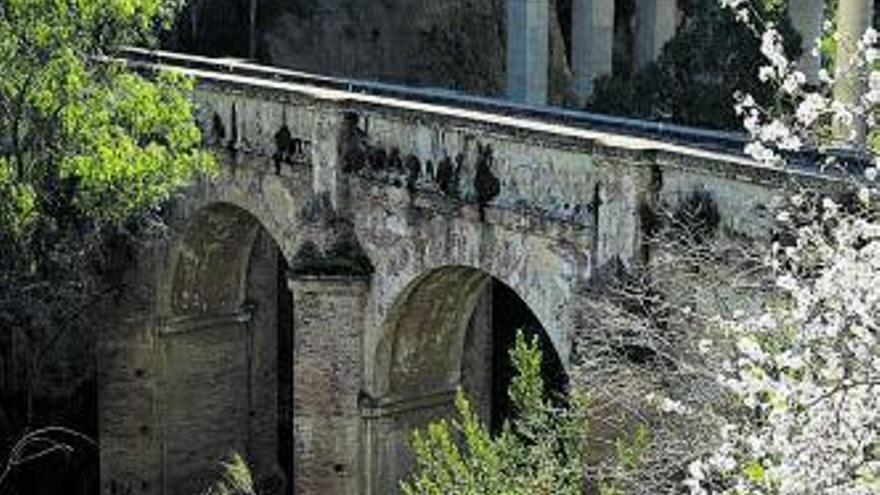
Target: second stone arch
450,328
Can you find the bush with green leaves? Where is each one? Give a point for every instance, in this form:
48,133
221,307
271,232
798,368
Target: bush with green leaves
81,133
540,450
234,478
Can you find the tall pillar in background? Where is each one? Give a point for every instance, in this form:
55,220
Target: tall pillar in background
807,17
592,42
853,19
655,25
528,50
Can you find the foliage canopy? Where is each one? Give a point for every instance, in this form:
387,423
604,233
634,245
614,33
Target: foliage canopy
82,136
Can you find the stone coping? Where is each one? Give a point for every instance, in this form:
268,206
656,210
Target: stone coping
637,150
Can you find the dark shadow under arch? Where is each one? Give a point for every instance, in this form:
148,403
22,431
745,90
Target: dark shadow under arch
512,314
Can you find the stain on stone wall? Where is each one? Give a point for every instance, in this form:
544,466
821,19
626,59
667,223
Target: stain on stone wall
486,184
290,150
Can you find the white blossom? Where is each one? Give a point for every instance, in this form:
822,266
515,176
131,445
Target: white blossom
810,108
806,369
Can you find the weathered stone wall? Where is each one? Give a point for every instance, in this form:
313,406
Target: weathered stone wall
128,420
419,206
476,365
204,389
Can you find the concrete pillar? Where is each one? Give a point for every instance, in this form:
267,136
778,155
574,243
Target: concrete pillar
655,25
853,19
252,35
807,17
328,328
528,50
592,42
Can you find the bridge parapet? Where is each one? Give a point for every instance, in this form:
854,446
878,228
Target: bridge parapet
534,167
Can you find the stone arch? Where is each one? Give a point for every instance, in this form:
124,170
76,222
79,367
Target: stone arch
225,384
205,267
208,266
438,336
423,336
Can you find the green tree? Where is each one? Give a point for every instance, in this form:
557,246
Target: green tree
88,150
539,451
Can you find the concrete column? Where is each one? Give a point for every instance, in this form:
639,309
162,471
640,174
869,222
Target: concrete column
592,42
655,25
853,19
528,50
807,17
252,36
328,328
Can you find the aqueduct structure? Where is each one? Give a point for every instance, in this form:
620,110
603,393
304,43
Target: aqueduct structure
357,259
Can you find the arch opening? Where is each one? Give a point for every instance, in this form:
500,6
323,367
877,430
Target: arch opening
511,314
227,371
450,328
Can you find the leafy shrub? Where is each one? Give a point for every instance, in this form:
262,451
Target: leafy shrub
539,451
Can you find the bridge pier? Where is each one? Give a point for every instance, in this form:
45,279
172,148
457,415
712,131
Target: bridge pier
205,418
655,26
528,50
388,423
329,322
592,43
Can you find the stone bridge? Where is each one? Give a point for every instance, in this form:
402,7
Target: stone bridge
358,258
